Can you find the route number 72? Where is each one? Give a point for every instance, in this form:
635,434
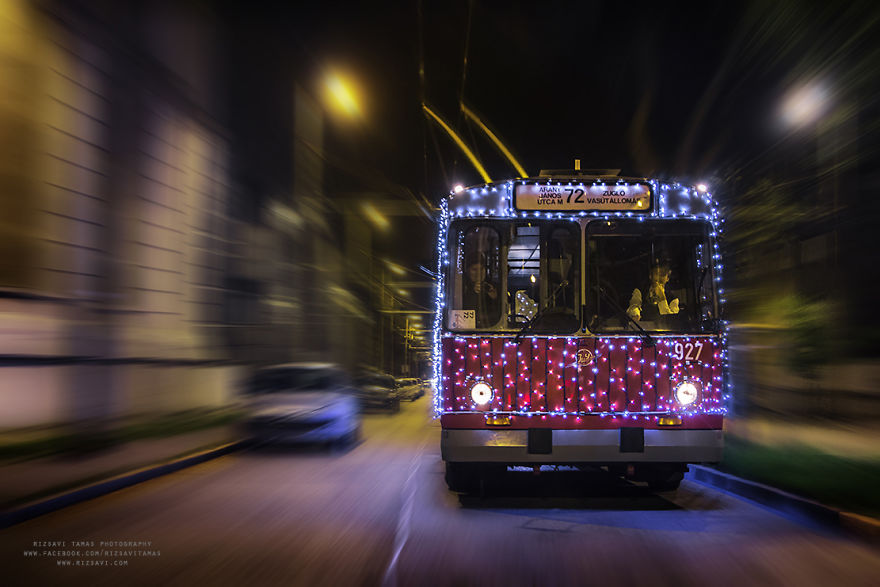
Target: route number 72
580,195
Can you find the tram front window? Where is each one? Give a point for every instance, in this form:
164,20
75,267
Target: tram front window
656,275
536,288
543,276
475,278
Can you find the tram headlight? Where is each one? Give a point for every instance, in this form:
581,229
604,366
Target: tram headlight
481,393
687,392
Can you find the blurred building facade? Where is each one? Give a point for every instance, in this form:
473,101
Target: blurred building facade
801,242
139,274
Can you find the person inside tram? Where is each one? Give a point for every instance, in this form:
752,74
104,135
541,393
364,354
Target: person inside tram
651,302
480,293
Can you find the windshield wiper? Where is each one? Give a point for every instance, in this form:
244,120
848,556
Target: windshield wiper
540,312
700,283
699,301
642,332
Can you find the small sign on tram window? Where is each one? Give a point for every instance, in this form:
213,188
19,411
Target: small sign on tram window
462,319
631,197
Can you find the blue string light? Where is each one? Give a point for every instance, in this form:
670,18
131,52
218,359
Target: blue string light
673,201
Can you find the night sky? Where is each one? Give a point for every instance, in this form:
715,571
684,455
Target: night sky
691,91
679,89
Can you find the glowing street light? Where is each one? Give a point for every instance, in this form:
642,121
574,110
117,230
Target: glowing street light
394,267
374,216
341,95
805,104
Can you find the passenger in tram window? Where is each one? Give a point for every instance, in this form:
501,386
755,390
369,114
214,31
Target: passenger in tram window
654,302
480,293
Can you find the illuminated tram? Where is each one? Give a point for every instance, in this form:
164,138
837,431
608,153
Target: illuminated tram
578,324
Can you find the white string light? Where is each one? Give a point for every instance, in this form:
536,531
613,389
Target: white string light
673,201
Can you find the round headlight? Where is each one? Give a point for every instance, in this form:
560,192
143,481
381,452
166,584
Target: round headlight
687,392
481,393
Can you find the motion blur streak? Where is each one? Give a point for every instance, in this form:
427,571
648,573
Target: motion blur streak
180,204
144,271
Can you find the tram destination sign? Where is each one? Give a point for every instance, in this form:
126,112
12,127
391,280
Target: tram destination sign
630,197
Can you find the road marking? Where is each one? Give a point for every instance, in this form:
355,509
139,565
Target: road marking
401,533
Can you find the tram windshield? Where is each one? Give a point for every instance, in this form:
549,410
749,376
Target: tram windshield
510,276
651,275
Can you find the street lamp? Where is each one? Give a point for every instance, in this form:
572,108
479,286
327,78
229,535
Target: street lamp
805,104
341,94
375,216
395,267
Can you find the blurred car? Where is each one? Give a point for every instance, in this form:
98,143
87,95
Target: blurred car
378,392
410,388
302,403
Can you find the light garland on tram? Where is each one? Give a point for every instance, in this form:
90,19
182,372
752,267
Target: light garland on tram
713,402
519,394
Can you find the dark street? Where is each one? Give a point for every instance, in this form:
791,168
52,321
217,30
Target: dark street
381,514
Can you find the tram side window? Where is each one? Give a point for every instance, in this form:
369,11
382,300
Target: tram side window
475,279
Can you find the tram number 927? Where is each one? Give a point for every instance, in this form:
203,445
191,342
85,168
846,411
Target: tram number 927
687,351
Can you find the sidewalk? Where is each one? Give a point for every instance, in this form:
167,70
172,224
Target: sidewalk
849,441
30,480
835,464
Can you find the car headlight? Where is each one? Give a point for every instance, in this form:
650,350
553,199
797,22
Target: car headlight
687,392
481,393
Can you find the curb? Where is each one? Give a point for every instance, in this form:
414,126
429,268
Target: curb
63,500
863,527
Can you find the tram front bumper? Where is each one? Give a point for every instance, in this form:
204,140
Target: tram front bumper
581,446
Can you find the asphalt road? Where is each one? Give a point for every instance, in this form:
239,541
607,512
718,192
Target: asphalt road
380,513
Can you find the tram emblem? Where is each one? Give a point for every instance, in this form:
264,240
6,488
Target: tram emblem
584,357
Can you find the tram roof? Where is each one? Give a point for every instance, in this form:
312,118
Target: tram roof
522,197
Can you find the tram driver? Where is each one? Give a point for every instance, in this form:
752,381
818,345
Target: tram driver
654,303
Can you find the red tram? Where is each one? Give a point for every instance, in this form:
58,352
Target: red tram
578,323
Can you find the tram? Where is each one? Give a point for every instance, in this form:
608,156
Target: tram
578,323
